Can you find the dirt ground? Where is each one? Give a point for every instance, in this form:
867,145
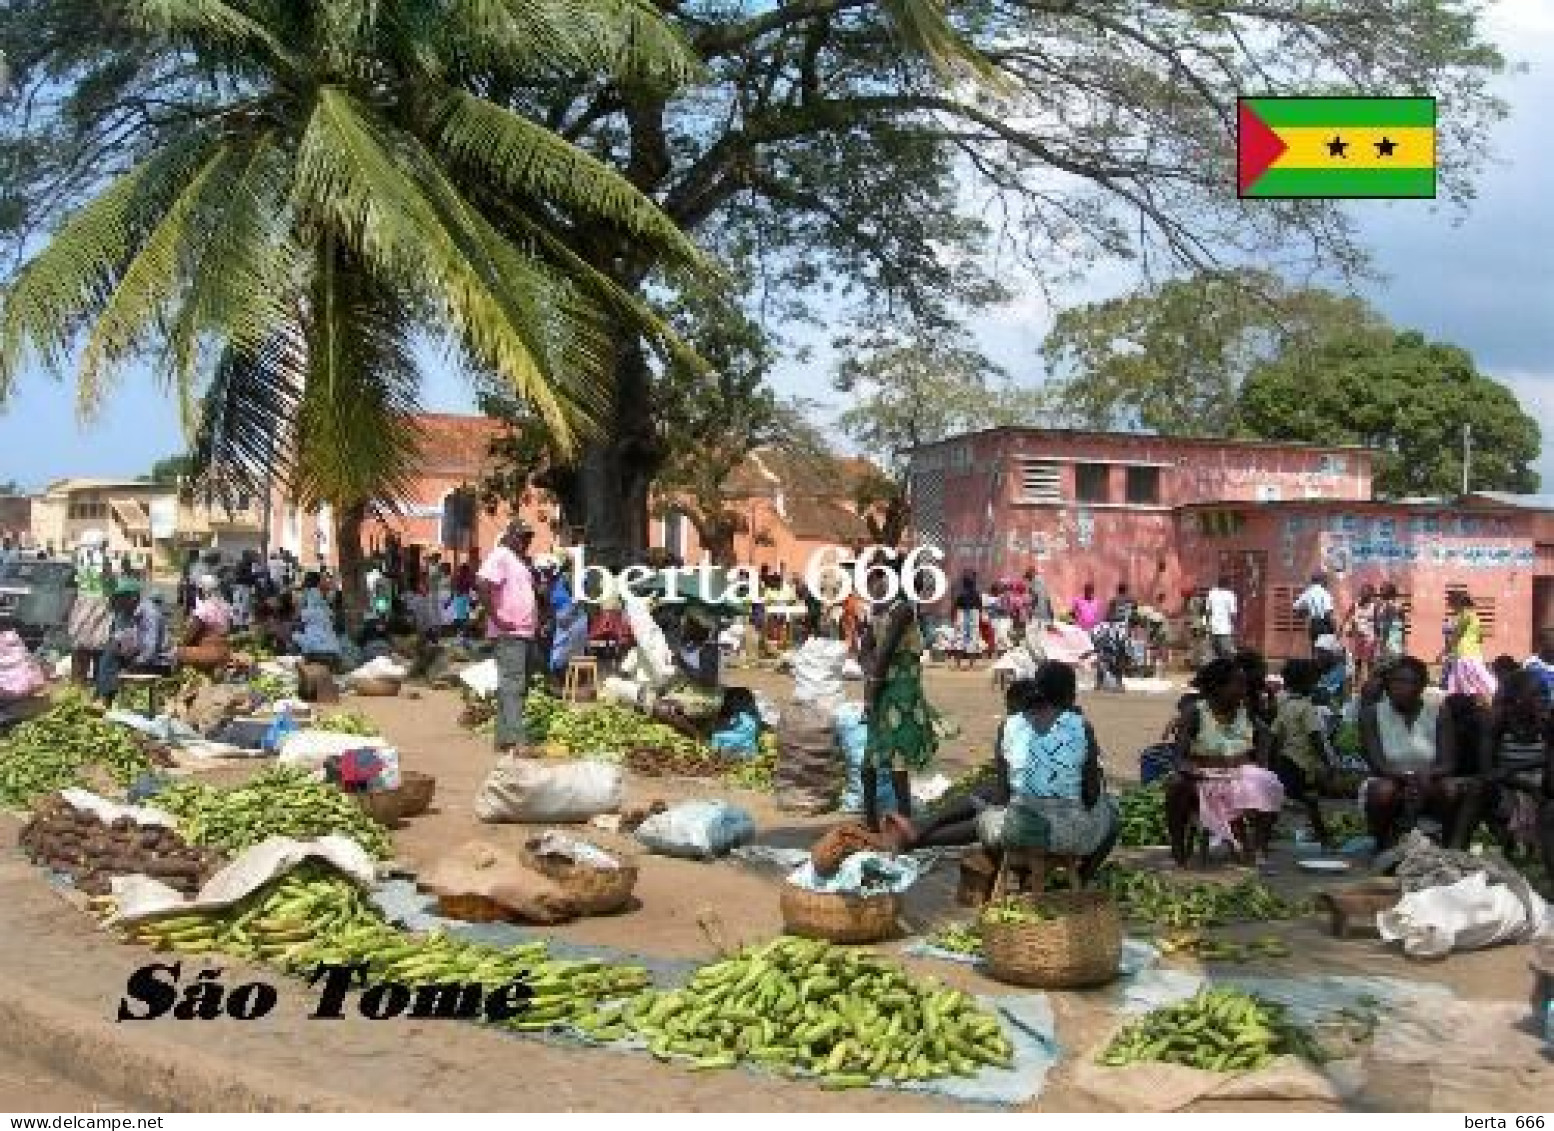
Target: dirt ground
430,1067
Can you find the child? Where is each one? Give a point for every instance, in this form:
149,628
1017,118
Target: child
1332,673
1302,756
738,729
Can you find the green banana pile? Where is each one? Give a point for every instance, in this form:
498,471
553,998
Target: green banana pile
1148,897
278,801
1221,950
758,773
565,991
1143,816
347,722
962,787
802,1005
302,907
1221,1030
1012,911
55,750
613,729
272,687
167,690
957,938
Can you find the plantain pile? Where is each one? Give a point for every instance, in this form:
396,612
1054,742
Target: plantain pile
1220,950
81,845
1220,1030
807,1006
1143,816
279,801
957,938
564,990
166,690
306,905
347,722
269,688
60,748
1013,911
1149,898
611,729
758,772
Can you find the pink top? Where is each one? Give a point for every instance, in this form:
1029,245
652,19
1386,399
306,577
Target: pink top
213,614
1087,614
512,594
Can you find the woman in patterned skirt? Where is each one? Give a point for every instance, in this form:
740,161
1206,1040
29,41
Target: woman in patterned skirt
901,734
1467,673
91,620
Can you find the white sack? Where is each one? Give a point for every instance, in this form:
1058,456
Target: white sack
697,830
310,749
623,691
480,678
525,790
1468,915
817,672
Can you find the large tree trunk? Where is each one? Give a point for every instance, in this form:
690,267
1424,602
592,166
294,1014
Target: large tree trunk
349,521
615,474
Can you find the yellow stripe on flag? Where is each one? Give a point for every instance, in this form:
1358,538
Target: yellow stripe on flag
1363,148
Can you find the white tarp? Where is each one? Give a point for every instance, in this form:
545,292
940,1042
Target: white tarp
109,811
141,897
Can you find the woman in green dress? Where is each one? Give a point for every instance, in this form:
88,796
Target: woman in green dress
901,733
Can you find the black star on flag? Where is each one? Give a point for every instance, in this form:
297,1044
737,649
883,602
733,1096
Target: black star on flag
1385,147
1337,147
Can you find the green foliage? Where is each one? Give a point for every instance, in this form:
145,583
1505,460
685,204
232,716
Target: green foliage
172,471
1408,398
1172,358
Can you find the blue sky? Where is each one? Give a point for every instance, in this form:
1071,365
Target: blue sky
1485,284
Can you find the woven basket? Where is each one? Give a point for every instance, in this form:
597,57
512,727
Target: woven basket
382,805
839,918
596,891
1078,945
472,909
1351,910
415,793
376,686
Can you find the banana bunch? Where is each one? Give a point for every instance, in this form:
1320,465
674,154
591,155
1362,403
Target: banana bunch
276,802
304,906
1147,897
1220,1030
807,1006
347,722
1142,810
1220,950
54,751
563,990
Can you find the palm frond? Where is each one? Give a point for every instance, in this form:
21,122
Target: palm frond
923,28
526,159
65,285
357,441
245,440
360,177
210,22
148,286
241,286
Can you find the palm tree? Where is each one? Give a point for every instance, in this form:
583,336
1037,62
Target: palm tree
347,182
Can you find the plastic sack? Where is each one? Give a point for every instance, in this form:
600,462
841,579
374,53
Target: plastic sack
501,876
526,790
623,691
480,678
852,736
277,731
380,668
817,671
20,675
862,873
697,830
141,897
553,843
310,749
654,659
1468,915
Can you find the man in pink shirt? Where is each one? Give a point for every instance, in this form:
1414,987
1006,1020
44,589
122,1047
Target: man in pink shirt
512,618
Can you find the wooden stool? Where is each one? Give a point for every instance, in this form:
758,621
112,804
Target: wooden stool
1035,862
581,674
148,681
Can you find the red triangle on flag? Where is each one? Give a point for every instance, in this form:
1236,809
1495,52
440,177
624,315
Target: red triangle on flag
1257,147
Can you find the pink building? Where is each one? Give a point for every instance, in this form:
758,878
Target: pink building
1167,515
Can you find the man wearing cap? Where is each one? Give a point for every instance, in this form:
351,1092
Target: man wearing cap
506,585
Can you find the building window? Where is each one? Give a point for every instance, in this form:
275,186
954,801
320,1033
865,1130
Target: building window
1144,486
1093,482
1040,482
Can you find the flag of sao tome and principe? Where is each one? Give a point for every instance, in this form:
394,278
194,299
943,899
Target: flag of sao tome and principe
1335,148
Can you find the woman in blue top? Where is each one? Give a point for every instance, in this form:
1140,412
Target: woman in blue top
1058,797
739,724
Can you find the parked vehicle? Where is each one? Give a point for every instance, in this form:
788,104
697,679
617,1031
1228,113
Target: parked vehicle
35,598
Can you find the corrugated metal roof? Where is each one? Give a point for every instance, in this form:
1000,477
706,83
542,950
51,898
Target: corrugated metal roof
1524,502
1197,441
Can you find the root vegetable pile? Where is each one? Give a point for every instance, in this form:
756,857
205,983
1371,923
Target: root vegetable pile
807,1006
81,845
1221,1030
1147,897
1143,816
59,749
276,802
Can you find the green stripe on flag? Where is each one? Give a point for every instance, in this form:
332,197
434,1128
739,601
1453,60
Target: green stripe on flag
1340,184
1383,112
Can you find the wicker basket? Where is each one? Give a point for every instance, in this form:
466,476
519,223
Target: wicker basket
376,687
1078,945
596,891
382,805
415,793
1351,910
472,909
839,918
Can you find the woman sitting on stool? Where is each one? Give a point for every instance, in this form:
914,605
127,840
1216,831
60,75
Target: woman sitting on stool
1220,748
